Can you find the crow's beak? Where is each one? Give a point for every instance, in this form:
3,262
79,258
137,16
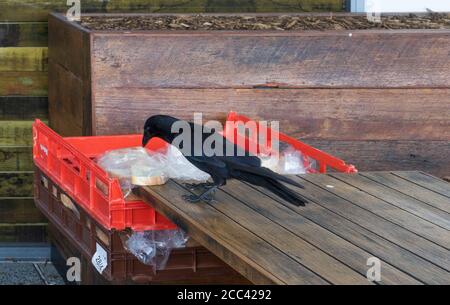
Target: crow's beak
147,137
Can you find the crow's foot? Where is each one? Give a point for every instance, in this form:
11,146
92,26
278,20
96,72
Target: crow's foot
195,199
207,196
196,186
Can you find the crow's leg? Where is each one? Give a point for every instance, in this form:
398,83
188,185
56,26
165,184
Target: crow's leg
195,186
206,196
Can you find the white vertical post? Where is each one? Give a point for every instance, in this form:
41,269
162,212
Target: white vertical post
357,6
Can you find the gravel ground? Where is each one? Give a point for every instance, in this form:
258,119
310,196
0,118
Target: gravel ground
281,23
27,273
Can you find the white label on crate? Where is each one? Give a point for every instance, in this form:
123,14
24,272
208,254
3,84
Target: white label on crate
69,204
44,149
100,259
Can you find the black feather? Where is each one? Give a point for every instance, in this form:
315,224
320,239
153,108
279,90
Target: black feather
241,165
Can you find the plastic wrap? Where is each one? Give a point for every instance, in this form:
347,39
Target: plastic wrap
138,166
289,161
154,247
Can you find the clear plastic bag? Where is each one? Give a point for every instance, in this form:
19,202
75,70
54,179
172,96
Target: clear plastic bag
138,166
178,167
290,161
141,247
154,247
121,162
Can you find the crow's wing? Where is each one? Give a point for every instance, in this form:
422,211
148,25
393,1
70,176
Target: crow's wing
228,149
211,165
259,171
209,161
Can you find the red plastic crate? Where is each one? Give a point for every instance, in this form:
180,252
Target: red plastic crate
251,143
76,233
69,162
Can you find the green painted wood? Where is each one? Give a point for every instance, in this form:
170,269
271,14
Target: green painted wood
23,83
30,59
16,184
16,133
19,211
23,34
37,10
16,158
23,108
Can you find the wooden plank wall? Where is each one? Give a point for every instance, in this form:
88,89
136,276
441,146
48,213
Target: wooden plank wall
376,100
23,86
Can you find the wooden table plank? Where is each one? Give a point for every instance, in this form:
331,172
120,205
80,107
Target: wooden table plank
383,209
411,189
303,252
378,225
329,241
385,250
400,200
284,215
428,181
227,239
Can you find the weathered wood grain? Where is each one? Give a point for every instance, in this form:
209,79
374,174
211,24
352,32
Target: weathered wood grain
341,227
23,108
244,60
66,107
37,10
31,233
16,184
355,234
293,244
395,213
373,129
341,249
267,265
23,34
19,211
23,83
389,124
406,187
425,180
69,53
68,44
16,133
23,59
16,158
377,225
334,114
429,156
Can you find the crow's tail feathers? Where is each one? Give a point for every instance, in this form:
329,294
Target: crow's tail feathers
273,186
266,173
285,193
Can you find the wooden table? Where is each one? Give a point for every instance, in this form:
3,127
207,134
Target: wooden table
401,218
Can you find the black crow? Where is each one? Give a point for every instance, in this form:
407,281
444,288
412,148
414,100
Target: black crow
239,165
